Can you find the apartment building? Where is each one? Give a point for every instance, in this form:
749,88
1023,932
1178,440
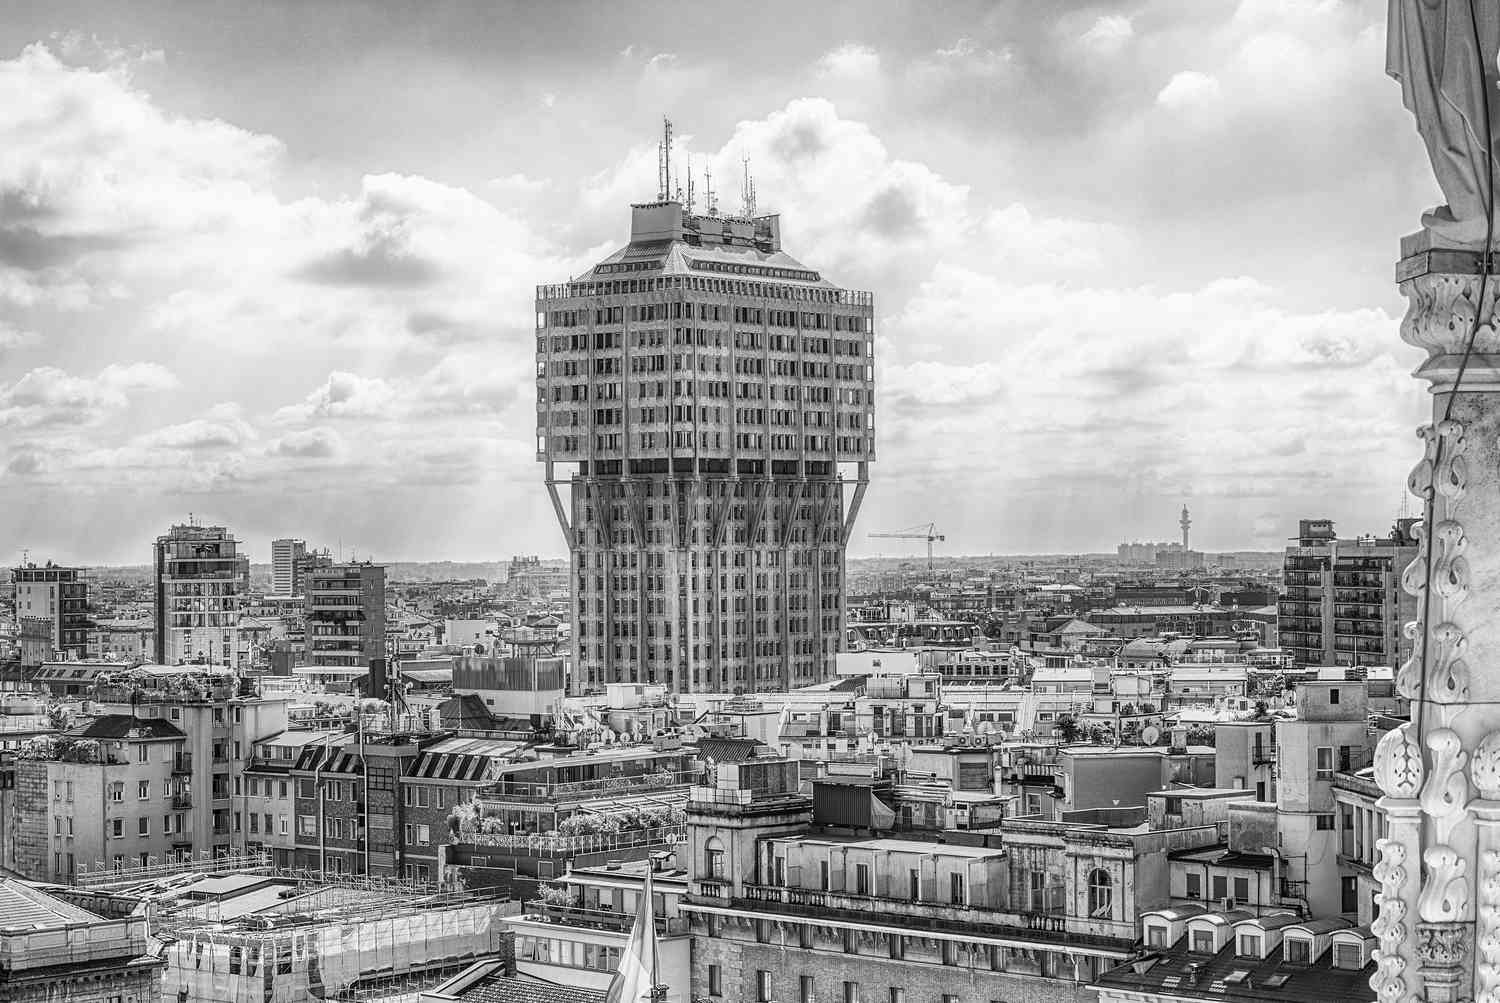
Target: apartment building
1344,604
52,949
201,580
109,793
345,619
58,597
286,566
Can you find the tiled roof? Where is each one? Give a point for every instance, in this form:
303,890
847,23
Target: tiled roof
125,726
24,907
511,989
1171,973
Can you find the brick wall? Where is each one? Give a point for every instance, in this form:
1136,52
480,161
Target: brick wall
33,816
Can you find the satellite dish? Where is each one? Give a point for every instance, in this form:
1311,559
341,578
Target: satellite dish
1150,735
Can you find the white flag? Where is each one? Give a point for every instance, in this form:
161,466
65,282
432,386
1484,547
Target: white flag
637,973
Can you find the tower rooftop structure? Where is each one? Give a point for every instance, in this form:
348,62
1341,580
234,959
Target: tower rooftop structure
708,386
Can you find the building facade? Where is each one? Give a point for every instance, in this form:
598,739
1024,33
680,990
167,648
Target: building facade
1344,604
705,387
286,566
345,616
60,596
201,580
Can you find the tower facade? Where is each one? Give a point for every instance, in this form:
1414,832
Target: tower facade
286,566
707,391
201,580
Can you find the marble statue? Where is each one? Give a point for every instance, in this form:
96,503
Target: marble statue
1431,49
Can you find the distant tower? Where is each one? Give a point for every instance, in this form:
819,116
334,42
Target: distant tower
1185,522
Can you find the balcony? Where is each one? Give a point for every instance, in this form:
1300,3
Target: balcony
600,919
919,916
183,799
183,764
1263,755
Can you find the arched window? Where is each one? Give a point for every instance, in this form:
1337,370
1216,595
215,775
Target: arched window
1101,894
713,859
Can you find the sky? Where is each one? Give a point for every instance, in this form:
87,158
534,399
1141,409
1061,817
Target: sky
273,264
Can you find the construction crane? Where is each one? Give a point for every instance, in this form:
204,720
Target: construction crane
928,532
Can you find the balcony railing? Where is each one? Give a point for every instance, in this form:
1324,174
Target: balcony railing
625,784
600,919
183,763
570,845
182,800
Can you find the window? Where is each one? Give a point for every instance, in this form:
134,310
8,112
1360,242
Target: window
307,825
914,879
1333,696
763,985
57,826
713,853
1156,935
861,879
117,792
1325,823
424,835
806,988
143,790
1242,890
143,826
715,981
1325,762
1203,942
898,995
898,946
823,875
142,752
851,941
1248,946
117,828
956,889
1297,950
1194,886
851,992
952,952
805,937
1101,894
1348,956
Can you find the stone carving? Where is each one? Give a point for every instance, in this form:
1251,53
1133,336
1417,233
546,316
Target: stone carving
1450,572
1446,792
1442,467
1487,946
1448,675
1389,926
1441,945
1442,52
1398,763
1484,766
1445,896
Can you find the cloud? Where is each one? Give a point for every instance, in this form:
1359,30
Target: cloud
850,61
222,428
48,395
1109,34
313,443
1189,89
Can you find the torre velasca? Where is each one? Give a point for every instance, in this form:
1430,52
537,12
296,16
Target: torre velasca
704,394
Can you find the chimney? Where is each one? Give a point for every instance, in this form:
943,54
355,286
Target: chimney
506,954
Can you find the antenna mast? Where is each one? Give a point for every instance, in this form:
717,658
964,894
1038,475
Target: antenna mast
708,189
664,160
747,191
690,198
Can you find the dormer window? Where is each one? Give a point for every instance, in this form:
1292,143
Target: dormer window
1156,935
1249,946
1297,951
1203,942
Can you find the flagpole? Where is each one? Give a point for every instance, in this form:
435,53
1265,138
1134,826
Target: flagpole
658,991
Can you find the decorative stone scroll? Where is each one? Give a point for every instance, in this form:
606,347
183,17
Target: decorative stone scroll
1446,474
1390,925
1445,896
1447,674
1398,764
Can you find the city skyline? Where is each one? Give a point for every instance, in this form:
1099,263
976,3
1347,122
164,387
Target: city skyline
305,310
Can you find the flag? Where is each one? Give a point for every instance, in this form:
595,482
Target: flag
636,976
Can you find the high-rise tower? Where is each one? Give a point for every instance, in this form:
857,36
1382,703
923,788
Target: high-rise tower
201,579
707,387
1185,523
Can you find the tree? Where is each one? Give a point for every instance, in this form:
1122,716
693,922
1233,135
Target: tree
1066,728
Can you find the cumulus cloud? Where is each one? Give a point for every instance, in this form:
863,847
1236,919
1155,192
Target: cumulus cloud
1189,89
1109,34
850,61
48,395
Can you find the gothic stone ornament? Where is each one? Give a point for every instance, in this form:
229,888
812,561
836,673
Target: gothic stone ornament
1398,764
1448,675
1442,467
1389,926
1440,314
1488,936
1445,896
1446,793
1441,945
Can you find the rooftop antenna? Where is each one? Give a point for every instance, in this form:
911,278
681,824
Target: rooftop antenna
690,197
708,189
664,160
747,191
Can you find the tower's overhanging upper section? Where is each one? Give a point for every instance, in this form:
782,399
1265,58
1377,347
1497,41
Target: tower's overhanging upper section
702,346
